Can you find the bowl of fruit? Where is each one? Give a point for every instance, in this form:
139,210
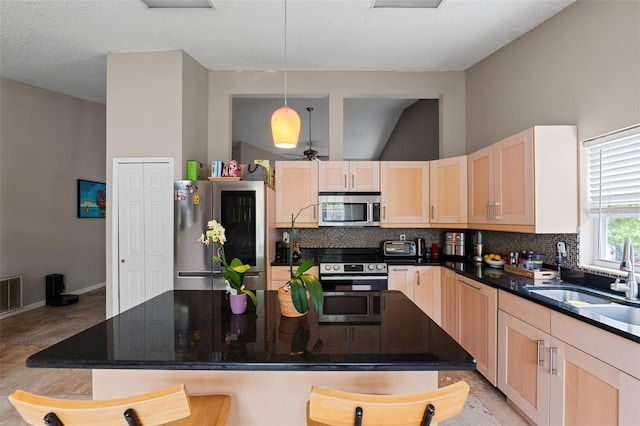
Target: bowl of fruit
494,260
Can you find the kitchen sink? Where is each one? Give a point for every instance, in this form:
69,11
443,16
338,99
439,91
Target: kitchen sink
622,313
572,296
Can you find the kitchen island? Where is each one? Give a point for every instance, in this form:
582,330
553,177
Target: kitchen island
266,362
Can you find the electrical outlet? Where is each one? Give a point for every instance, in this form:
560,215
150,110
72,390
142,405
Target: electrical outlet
561,248
403,237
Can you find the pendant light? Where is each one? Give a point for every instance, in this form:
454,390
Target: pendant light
285,122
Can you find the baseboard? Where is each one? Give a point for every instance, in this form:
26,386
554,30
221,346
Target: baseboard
41,303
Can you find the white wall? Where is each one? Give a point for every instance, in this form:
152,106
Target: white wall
448,87
47,142
580,67
156,107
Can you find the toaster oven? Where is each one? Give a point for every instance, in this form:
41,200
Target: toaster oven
399,248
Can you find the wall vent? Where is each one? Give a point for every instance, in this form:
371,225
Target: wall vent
10,294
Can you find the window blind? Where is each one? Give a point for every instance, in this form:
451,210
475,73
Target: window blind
614,173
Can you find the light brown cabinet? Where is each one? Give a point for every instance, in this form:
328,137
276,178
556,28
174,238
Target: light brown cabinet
296,188
523,355
448,184
514,184
559,370
421,284
594,375
448,309
404,194
349,176
478,324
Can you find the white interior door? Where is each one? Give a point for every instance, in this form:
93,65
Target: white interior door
145,232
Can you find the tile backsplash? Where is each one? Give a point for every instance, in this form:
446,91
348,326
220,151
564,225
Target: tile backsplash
494,242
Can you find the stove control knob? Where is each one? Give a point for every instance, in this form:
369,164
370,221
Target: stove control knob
327,267
336,267
371,266
380,266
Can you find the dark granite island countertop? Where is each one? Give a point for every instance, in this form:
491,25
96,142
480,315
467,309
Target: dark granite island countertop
266,362
195,330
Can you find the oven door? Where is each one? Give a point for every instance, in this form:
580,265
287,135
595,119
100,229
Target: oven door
354,282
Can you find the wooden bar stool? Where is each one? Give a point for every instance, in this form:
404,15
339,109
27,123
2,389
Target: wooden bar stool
327,407
167,406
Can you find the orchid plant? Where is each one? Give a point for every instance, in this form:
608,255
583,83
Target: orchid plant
233,273
300,282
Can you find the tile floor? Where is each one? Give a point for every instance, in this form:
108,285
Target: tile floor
26,333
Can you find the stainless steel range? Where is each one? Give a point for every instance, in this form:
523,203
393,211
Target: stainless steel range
354,276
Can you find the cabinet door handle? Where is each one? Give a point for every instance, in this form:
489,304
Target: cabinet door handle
384,212
433,208
539,359
399,269
418,277
552,370
471,285
345,181
489,206
496,205
353,182
314,212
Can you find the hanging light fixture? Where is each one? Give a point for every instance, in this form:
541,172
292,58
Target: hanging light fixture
285,122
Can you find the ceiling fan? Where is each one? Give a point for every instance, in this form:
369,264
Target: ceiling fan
308,154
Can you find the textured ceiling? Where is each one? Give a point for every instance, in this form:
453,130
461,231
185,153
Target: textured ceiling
61,45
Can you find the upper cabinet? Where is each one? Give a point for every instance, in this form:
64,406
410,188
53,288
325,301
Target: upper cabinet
519,183
349,176
404,194
297,188
448,196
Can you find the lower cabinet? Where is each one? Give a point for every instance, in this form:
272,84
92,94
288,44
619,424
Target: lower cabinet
421,284
548,366
523,361
448,310
477,313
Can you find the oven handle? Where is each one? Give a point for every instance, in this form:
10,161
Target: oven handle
353,277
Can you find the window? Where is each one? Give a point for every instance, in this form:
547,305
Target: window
613,194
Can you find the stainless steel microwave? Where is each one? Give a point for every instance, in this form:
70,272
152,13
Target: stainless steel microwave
349,209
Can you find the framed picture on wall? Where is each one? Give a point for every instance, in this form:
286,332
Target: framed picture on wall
92,199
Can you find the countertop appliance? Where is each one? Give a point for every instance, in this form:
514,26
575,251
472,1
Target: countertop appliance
240,208
349,209
399,248
455,244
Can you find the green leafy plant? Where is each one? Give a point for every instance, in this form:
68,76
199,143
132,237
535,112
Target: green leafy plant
233,273
300,282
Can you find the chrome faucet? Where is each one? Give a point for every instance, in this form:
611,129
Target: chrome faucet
630,287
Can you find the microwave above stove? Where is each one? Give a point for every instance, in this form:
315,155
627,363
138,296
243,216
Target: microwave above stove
349,209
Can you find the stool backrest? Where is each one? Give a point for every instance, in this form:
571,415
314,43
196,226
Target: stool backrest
152,408
337,408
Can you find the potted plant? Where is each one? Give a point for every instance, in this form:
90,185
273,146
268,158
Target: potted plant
233,273
300,283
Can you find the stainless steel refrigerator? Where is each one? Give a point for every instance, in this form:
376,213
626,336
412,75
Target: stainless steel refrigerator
240,208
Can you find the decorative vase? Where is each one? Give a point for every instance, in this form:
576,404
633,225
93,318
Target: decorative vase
238,303
287,307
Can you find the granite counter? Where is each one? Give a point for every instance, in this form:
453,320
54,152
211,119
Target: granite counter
265,361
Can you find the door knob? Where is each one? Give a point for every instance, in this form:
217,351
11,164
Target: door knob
121,260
